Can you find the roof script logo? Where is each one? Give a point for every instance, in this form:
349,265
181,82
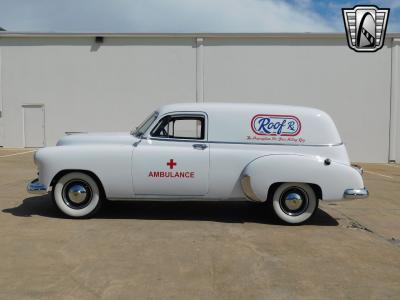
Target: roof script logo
365,27
275,125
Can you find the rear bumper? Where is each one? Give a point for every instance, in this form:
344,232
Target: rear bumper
37,188
356,193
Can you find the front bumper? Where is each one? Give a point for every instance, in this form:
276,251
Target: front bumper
356,193
35,187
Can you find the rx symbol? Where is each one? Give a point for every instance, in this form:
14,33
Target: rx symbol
291,125
171,163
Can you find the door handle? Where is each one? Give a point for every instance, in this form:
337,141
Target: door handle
199,146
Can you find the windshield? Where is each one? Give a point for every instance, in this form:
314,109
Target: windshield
142,128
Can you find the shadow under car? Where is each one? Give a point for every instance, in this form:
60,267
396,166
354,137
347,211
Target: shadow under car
222,211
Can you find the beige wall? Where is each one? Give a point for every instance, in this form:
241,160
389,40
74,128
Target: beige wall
112,86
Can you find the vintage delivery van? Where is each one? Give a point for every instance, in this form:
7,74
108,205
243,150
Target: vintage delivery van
289,156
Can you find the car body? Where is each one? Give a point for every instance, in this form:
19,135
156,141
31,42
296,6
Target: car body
206,151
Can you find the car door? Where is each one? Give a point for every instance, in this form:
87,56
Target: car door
173,159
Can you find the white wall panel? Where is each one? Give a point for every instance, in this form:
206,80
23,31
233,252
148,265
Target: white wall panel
354,88
112,86
89,87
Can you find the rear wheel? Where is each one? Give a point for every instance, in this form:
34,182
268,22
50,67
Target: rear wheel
77,195
294,203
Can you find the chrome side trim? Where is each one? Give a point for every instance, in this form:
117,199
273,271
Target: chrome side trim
245,182
37,188
276,144
240,143
356,193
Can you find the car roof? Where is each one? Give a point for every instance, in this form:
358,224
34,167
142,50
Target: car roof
225,106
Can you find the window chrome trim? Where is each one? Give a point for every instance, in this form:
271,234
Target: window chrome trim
155,113
178,114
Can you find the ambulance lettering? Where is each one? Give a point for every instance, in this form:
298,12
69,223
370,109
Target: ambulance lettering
164,174
171,174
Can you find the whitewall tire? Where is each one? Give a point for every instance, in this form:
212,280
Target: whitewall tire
77,195
294,203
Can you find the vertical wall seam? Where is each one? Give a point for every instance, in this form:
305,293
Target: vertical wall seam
199,70
1,85
202,70
1,102
394,99
390,99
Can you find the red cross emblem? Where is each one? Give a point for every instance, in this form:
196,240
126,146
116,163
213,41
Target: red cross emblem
171,163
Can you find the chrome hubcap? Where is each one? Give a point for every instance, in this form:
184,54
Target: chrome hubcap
77,193
294,201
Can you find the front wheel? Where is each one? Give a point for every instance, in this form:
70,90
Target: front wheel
294,203
77,195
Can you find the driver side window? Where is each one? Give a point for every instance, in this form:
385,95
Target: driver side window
180,127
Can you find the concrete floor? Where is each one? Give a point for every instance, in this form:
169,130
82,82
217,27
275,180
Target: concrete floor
142,250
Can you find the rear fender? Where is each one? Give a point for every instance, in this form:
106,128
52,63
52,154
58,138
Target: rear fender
333,178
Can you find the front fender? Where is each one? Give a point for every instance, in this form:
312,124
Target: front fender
333,178
110,163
